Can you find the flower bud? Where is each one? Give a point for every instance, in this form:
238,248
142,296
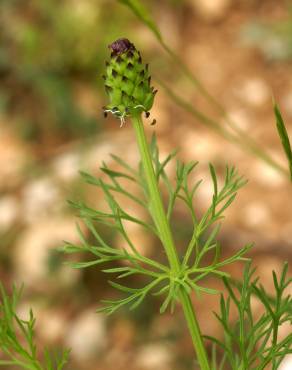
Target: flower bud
127,82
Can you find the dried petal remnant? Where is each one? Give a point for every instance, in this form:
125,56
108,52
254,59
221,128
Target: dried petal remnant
120,46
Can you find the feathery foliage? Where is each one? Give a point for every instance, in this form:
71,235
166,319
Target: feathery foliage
252,344
17,338
161,279
255,342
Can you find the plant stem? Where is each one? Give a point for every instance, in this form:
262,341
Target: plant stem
194,330
162,224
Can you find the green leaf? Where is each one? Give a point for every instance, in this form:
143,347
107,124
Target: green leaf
206,290
113,174
123,164
282,131
165,162
123,288
17,338
214,179
82,265
69,248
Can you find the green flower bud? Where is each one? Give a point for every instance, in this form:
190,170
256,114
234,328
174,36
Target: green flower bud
127,82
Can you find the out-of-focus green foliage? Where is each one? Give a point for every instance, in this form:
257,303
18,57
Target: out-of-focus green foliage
274,39
50,55
235,135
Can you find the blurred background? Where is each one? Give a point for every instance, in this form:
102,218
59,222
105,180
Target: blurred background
52,55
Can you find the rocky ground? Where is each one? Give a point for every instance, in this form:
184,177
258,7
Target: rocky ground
34,216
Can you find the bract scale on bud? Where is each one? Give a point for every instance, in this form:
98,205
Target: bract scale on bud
127,82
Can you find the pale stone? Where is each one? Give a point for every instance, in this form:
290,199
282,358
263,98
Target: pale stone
51,325
87,335
287,363
34,248
267,175
211,9
202,147
41,197
254,91
154,356
66,166
240,118
94,157
13,158
9,211
256,214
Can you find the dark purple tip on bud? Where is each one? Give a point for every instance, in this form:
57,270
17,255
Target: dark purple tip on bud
121,46
130,54
108,89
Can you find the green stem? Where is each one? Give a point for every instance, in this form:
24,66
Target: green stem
162,224
194,330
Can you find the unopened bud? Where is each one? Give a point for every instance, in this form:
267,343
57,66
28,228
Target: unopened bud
127,81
